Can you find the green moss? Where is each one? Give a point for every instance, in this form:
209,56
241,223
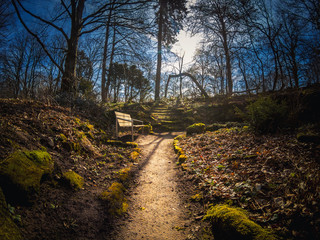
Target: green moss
178,150
184,167
131,144
134,155
196,128
73,179
179,137
8,229
114,197
138,150
197,197
122,144
233,223
124,175
146,129
70,145
23,170
63,137
216,126
182,159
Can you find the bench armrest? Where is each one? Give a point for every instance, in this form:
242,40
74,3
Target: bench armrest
137,120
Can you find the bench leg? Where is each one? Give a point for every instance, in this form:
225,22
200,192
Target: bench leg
117,130
132,132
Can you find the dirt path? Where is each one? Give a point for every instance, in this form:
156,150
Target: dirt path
156,211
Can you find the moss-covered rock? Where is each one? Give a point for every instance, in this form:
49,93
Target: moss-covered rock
131,144
230,223
134,155
74,180
115,199
178,150
8,229
122,144
124,175
22,171
196,128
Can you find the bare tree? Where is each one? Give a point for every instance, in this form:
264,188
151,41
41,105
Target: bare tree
169,18
80,22
221,23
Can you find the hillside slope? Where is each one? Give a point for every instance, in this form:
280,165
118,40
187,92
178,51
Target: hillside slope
65,199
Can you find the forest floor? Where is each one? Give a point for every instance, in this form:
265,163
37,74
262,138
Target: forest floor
274,177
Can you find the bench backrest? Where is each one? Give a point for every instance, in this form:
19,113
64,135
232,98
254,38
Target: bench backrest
124,120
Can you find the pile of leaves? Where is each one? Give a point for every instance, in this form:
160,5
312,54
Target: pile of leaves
76,144
274,177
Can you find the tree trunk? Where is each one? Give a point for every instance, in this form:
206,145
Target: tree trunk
228,58
244,74
104,59
111,62
158,74
68,82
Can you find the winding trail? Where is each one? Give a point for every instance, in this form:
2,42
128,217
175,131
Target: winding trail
156,212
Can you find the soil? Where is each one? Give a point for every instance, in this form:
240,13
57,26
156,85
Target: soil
156,209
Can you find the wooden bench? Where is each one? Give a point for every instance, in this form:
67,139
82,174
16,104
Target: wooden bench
125,120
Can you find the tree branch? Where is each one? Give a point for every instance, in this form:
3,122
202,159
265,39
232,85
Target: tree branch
36,37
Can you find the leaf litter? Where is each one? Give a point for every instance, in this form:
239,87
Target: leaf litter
274,177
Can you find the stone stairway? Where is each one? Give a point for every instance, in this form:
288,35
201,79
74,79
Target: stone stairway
168,118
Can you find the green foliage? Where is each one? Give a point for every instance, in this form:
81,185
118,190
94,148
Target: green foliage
74,180
8,229
196,128
265,115
233,223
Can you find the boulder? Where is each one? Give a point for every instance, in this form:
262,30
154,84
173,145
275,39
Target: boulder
21,173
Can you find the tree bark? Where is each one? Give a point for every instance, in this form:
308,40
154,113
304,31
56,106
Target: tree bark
228,58
104,60
68,82
111,62
159,55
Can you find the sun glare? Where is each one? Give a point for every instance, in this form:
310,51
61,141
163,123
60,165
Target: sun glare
186,45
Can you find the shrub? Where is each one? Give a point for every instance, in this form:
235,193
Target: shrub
196,128
265,115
